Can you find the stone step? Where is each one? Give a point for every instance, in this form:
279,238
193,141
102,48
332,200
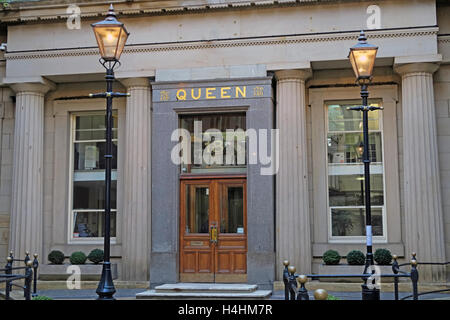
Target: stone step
155,295
206,288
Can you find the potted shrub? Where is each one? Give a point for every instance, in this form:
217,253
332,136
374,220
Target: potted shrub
96,256
331,257
382,257
78,257
56,257
356,258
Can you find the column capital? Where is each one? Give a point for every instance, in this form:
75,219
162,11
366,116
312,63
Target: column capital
43,86
425,67
293,74
135,82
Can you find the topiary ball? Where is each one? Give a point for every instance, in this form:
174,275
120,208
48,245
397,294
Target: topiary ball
356,257
56,257
78,257
331,257
96,256
382,257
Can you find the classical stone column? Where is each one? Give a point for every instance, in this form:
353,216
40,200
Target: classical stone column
422,189
27,180
137,181
293,240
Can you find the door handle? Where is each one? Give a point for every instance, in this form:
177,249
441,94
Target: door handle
213,234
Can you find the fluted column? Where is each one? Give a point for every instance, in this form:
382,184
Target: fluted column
27,180
292,199
137,181
422,190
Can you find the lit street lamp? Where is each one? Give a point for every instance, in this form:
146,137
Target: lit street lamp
362,57
111,37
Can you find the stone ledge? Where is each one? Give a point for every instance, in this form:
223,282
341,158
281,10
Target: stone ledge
351,269
59,271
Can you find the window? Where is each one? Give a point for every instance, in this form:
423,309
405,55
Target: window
346,173
88,177
230,128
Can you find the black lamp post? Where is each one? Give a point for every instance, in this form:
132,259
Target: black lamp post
362,57
111,36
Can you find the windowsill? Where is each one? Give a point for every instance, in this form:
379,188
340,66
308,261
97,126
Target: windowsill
90,241
357,241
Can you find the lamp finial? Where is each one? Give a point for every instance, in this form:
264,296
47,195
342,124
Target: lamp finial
362,37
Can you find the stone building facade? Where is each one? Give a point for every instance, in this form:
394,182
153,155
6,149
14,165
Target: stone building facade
258,65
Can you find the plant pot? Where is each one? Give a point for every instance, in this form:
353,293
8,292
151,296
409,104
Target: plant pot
88,271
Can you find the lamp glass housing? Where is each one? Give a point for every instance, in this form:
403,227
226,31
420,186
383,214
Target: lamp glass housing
362,57
363,61
111,37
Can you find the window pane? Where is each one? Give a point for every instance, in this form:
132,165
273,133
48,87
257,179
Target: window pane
92,224
91,155
349,147
232,210
91,194
93,127
235,146
348,190
197,210
341,119
351,222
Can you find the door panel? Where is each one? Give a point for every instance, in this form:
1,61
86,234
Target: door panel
232,241
213,230
196,258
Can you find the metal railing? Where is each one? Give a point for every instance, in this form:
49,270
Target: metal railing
8,277
293,292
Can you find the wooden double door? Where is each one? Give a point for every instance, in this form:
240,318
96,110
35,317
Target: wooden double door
213,230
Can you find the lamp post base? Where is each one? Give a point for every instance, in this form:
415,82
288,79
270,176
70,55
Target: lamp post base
370,294
105,289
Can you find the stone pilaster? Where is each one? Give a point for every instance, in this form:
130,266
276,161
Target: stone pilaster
27,180
422,189
293,241
137,181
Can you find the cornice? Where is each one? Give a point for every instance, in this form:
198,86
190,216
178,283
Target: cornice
444,38
24,12
226,43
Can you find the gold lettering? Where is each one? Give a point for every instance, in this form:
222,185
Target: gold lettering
181,94
199,94
258,91
224,94
164,95
208,93
242,92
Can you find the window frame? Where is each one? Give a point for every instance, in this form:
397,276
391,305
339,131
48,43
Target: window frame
72,128
354,239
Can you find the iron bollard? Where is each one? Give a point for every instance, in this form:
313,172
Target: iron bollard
28,278
292,282
8,270
320,294
286,279
395,271
414,276
27,257
35,267
302,292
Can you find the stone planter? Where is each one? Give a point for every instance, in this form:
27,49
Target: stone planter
350,269
89,272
